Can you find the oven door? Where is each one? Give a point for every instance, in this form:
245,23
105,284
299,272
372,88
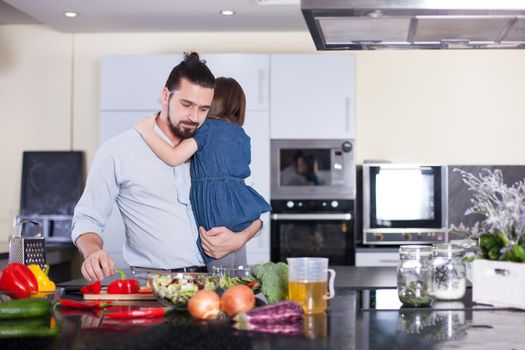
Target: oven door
329,235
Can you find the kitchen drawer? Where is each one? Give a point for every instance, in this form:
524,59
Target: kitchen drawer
376,258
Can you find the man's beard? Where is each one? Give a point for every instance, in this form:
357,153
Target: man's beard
180,130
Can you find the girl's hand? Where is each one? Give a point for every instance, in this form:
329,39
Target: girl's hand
145,124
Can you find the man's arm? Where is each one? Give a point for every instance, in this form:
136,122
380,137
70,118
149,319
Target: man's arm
91,213
220,241
97,262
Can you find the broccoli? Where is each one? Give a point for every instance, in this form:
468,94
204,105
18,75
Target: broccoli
274,280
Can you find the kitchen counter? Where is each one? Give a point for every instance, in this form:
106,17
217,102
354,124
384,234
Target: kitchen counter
346,325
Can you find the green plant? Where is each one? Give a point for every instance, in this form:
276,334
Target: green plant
501,234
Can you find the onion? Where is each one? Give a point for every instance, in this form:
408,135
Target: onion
236,299
205,305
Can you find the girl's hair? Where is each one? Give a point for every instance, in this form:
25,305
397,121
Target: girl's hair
229,101
193,69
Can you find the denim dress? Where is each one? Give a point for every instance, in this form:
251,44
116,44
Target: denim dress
219,195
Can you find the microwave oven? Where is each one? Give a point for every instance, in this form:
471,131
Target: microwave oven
404,204
312,169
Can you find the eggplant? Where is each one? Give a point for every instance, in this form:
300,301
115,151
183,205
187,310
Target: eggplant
284,317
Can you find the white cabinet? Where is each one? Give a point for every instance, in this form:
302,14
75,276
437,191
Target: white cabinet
135,82
257,126
312,96
374,258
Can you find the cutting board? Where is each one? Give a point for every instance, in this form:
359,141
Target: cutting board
105,296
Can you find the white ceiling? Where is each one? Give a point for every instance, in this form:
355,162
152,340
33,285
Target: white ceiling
96,16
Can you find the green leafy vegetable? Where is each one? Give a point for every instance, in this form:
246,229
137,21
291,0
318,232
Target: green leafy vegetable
274,280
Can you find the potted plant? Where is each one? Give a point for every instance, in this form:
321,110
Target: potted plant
498,269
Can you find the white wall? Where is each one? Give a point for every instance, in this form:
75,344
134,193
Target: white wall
412,106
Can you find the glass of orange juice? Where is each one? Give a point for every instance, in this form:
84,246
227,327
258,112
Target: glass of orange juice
308,282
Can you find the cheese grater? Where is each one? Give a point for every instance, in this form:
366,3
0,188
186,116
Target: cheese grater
27,250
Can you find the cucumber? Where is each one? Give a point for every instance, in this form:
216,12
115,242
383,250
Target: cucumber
16,331
24,308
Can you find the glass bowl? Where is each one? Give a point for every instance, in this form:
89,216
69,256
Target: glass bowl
176,289
52,296
233,275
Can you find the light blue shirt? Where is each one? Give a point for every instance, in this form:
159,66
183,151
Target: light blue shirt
153,199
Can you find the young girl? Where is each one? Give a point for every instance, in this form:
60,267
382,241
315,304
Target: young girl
221,157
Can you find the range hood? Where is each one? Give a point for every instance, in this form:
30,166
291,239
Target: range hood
415,24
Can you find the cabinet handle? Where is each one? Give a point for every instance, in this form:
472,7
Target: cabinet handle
263,86
347,114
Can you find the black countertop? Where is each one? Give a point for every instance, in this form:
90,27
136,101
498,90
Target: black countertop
345,325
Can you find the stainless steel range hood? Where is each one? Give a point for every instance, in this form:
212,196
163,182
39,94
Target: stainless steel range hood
415,24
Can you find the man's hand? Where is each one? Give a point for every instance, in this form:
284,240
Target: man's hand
98,265
220,241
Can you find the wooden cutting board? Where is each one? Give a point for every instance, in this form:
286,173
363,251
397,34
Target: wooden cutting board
105,296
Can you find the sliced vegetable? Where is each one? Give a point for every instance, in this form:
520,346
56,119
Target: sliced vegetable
44,283
86,305
286,312
18,280
140,313
236,299
123,285
205,305
24,308
93,288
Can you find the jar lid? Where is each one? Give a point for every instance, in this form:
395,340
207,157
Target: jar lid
415,251
447,249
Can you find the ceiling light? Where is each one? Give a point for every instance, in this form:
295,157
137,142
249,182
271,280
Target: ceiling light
227,12
71,14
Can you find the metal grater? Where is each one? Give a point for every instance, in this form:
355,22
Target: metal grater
27,250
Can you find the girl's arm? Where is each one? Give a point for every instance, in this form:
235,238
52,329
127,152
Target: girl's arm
172,156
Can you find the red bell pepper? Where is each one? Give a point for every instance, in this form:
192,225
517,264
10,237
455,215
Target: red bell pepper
123,285
93,288
140,313
18,280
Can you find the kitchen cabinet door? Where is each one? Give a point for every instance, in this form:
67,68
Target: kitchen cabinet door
135,82
312,96
371,258
250,70
257,126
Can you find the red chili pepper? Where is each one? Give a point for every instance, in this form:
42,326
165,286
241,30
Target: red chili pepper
18,280
140,313
145,291
87,305
123,285
93,288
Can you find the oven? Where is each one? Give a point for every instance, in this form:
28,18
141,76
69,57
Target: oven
404,204
313,228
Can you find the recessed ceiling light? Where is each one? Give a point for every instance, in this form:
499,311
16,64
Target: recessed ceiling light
71,14
227,12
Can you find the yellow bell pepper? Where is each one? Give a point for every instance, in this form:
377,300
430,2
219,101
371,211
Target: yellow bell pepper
44,283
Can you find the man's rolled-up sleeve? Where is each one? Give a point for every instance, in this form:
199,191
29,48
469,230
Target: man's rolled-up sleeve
100,193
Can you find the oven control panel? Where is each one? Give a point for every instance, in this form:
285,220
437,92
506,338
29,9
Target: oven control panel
405,237
308,206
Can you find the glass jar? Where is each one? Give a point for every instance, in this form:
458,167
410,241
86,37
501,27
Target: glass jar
448,272
414,275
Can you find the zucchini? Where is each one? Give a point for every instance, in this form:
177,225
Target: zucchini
24,308
284,317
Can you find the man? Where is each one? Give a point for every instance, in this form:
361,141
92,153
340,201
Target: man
152,197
